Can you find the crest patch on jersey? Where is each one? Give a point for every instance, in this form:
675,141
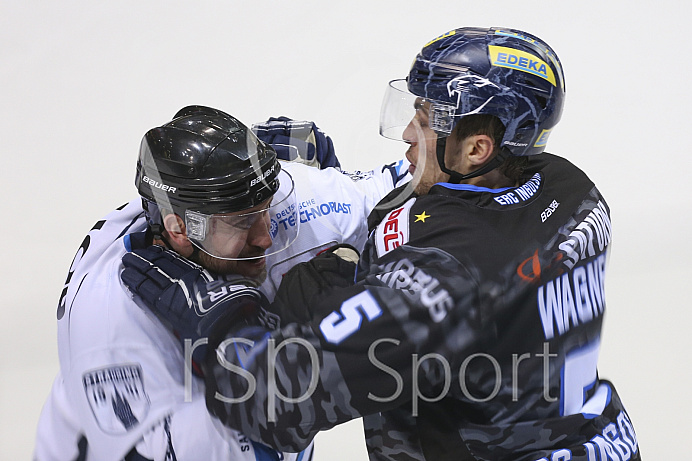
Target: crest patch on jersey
393,231
116,397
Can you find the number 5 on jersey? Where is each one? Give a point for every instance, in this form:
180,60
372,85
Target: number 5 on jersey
341,324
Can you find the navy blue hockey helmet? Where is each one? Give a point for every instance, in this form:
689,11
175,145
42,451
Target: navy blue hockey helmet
208,168
507,73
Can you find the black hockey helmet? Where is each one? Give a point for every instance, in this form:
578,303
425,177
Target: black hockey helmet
205,166
207,161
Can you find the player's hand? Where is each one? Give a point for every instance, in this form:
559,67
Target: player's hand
302,287
189,300
298,141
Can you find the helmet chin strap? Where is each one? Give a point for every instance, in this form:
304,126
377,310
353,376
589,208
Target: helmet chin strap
157,234
454,176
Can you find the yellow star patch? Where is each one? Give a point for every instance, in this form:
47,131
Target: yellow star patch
421,217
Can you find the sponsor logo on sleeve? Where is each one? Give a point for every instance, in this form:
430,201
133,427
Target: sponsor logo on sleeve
116,397
393,231
308,210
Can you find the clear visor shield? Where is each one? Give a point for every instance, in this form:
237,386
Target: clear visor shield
400,108
244,235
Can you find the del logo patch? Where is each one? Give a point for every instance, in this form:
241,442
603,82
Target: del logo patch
393,230
116,397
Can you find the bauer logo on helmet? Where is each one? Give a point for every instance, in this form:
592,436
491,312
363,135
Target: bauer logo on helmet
262,177
159,185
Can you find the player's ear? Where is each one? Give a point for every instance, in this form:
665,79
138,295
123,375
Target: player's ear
176,233
479,149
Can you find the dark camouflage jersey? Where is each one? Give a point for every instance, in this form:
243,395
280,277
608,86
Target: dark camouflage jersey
472,333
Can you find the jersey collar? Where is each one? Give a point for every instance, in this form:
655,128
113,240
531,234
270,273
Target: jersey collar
471,188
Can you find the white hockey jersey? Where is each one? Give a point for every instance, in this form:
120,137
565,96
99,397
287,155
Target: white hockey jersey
122,382
332,209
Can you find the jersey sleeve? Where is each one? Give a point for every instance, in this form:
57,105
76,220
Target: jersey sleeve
58,434
430,300
377,183
123,391
360,355
332,208
191,433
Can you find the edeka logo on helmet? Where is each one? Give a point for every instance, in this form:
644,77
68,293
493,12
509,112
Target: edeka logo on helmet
535,41
520,60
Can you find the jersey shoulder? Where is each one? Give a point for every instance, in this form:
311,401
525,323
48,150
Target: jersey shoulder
472,222
331,210
122,370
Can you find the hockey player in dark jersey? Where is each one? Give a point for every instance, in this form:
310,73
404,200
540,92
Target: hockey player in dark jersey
473,329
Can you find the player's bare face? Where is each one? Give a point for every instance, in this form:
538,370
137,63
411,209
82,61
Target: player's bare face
422,141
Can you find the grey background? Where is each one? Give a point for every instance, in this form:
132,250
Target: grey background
80,83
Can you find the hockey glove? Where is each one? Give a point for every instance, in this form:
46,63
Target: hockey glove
298,141
188,300
302,288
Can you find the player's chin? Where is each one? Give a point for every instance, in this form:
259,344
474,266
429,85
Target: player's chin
255,269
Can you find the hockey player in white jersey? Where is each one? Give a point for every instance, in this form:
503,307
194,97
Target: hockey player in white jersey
217,195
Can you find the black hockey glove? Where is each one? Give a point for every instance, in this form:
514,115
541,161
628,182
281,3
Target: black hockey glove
298,141
302,288
189,300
